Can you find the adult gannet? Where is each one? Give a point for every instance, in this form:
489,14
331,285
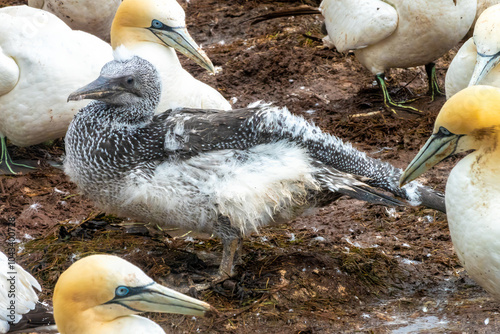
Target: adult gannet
101,294
151,29
226,173
19,306
42,61
92,16
397,33
477,60
470,121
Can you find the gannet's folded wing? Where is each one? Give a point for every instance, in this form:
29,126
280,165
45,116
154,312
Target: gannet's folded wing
357,24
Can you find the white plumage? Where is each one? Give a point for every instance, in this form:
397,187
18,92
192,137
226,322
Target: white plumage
482,5
396,33
477,60
469,122
25,295
92,16
179,88
42,61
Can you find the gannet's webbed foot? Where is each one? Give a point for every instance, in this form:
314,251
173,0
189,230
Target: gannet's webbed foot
388,102
9,167
231,255
434,90
231,247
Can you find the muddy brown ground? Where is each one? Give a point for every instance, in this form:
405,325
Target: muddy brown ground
350,267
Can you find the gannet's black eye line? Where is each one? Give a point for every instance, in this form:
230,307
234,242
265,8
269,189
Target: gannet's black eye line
444,132
159,25
128,291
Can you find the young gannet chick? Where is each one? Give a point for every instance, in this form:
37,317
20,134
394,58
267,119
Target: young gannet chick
101,294
42,61
19,306
470,121
477,60
226,173
92,16
397,33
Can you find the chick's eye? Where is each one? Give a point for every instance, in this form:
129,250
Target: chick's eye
121,291
130,81
157,24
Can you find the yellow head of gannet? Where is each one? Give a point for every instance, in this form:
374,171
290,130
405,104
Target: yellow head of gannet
470,121
103,294
161,22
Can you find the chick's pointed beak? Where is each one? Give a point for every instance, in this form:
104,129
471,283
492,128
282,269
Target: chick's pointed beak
157,298
179,39
484,64
98,89
436,149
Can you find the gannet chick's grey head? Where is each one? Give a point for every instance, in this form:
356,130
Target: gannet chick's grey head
133,83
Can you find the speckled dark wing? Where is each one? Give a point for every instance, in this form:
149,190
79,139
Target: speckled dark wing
191,131
208,130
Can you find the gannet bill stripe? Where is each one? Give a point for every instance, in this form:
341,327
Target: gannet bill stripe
469,122
21,301
102,294
223,172
477,60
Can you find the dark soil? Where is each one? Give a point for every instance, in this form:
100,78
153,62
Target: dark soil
350,267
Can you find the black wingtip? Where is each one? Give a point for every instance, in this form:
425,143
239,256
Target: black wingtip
432,199
369,194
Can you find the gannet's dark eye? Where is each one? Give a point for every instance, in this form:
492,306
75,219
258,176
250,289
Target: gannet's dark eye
444,131
157,24
130,81
122,291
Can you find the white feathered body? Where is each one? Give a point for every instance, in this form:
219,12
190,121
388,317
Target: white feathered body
474,219
92,16
42,61
397,33
486,42
25,295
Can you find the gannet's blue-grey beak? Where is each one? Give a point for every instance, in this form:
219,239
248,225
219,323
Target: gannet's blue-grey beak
157,298
179,39
484,64
437,148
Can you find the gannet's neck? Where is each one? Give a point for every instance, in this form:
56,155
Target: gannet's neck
159,55
144,44
88,321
